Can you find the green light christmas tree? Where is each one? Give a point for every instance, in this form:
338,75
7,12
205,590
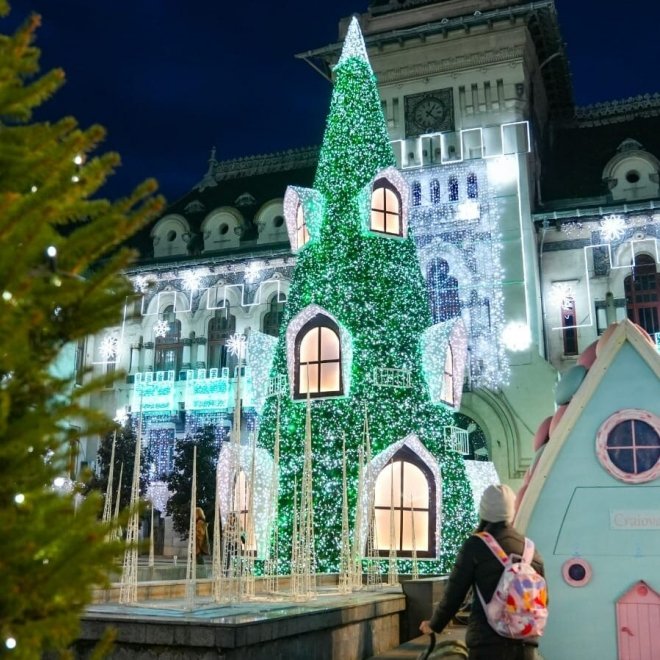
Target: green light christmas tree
371,285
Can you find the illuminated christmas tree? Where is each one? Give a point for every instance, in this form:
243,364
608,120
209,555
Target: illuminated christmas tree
352,333
60,282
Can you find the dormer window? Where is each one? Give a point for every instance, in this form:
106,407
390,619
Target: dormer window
318,359
385,209
302,234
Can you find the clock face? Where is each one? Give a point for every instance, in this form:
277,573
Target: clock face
429,112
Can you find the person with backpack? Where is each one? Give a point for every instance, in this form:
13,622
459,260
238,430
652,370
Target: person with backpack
509,607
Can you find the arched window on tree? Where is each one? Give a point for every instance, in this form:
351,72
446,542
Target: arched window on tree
168,347
302,233
273,317
385,209
406,488
642,290
435,191
442,289
318,359
472,186
222,325
448,377
453,189
242,508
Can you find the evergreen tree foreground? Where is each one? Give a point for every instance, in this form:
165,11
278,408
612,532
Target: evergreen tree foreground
52,548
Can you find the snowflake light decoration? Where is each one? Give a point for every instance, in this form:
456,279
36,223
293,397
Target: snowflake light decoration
562,295
253,271
121,416
142,283
161,328
108,347
613,227
236,345
192,279
516,336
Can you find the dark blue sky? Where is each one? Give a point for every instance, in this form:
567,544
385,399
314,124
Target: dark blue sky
169,79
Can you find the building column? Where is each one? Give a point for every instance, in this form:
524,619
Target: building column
186,361
148,364
200,362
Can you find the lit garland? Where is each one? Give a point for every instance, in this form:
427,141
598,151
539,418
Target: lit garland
465,233
262,495
260,353
372,286
481,474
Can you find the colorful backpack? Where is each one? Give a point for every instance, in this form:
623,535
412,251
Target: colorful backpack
518,608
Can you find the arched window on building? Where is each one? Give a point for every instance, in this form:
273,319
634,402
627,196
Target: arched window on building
416,193
221,326
448,377
472,186
168,347
385,209
318,359
442,290
642,290
273,317
568,323
435,191
302,233
453,189
406,488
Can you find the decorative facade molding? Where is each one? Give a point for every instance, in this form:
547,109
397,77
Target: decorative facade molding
281,161
612,112
448,64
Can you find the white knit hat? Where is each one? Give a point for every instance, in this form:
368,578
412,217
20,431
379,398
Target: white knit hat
498,503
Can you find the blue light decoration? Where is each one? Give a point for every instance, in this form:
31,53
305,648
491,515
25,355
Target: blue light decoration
154,394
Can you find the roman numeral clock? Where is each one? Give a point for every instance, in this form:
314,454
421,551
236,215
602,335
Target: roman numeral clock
429,112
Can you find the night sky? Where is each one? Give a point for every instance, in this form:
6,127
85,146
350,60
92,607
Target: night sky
169,79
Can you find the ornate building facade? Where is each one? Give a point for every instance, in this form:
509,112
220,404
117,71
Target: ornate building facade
534,221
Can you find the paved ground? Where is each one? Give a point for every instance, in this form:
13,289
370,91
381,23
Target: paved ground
411,650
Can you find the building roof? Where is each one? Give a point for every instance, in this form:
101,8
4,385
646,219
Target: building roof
578,151
245,184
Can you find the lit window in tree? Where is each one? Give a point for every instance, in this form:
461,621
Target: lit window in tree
453,189
242,507
386,209
416,193
435,191
318,359
405,487
169,349
628,445
273,317
222,325
642,289
472,186
448,377
302,233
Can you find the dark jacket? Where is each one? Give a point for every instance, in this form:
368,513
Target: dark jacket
477,565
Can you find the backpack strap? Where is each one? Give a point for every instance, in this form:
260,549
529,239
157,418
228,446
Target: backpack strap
495,547
528,552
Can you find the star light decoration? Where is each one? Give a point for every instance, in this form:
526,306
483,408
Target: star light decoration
613,227
516,336
121,416
108,347
236,345
161,328
562,295
142,283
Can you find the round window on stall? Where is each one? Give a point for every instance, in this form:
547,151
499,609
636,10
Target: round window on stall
576,572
